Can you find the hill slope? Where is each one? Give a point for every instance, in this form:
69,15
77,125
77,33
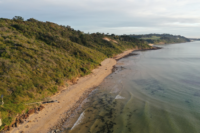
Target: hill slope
38,57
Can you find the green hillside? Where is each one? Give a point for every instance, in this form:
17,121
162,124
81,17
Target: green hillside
37,57
161,38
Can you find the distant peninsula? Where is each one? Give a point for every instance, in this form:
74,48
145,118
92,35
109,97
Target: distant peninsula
161,38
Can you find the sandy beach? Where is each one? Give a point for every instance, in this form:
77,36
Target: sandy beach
53,113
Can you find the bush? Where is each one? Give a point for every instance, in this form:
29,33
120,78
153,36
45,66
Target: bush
32,20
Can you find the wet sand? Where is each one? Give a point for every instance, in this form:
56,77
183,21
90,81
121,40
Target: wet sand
69,98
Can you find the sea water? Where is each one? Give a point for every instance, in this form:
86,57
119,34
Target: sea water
157,91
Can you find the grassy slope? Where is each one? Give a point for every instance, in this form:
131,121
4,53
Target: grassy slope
151,38
37,57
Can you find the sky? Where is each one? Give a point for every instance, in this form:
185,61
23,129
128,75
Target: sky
178,17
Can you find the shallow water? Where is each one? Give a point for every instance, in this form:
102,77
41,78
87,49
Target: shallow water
156,91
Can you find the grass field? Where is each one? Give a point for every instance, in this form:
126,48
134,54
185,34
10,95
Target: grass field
151,38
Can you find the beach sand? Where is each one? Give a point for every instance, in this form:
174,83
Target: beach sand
44,120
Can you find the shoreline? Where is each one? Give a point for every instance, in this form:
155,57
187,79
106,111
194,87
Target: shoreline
56,113
53,116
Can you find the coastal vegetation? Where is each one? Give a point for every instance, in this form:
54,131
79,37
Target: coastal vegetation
161,38
37,58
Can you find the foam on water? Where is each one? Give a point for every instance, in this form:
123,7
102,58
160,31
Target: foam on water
119,97
78,121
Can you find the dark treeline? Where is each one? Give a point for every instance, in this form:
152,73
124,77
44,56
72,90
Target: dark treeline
37,57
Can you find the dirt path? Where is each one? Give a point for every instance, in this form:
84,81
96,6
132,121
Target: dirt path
52,113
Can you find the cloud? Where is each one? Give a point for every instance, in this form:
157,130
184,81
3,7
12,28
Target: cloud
118,16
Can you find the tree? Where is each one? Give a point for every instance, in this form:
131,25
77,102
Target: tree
32,20
18,18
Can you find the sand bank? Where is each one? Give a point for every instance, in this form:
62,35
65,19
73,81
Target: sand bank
43,121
